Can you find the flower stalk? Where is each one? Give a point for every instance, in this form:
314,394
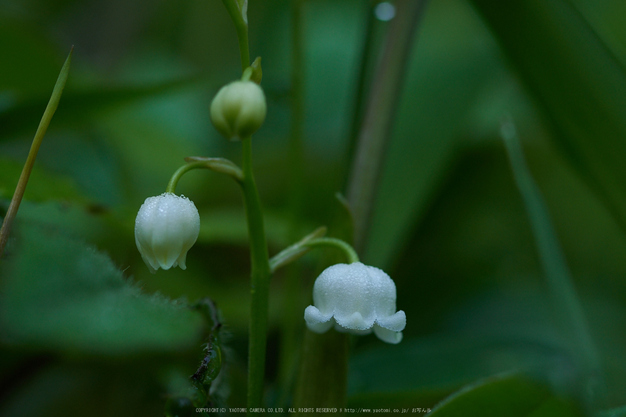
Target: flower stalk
260,280
197,162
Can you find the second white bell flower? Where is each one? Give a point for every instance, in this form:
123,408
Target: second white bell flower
166,228
357,299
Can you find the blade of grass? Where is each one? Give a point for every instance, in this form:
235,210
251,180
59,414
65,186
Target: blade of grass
555,267
32,154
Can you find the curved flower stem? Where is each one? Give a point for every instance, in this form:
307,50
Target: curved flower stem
295,251
300,248
337,243
260,280
34,148
215,164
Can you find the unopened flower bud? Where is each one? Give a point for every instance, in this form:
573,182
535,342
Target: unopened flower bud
238,109
356,299
166,228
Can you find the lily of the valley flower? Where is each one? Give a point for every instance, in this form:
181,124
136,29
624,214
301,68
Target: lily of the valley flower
357,299
166,227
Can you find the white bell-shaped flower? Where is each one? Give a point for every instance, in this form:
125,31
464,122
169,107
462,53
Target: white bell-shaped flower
358,299
166,227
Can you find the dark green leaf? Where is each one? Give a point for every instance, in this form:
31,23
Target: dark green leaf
578,82
508,395
446,75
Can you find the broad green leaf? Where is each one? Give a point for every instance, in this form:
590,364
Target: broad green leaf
438,365
61,294
507,395
577,81
91,223
446,75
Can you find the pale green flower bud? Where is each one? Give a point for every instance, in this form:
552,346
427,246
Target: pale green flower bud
238,109
166,227
357,299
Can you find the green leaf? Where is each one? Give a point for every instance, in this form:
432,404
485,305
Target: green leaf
505,395
61,294
441,364
447,73
578,82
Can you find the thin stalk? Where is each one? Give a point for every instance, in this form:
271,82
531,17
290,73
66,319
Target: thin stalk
553,262
214,164
380,114
259,281
348,250
259,258
243,48
32,154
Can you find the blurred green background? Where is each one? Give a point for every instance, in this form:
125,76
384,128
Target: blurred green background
449,223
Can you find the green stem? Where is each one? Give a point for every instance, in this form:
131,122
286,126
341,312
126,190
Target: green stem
323,355
242,35
260,279
336,243
32,154
295,251
259,257
215,164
